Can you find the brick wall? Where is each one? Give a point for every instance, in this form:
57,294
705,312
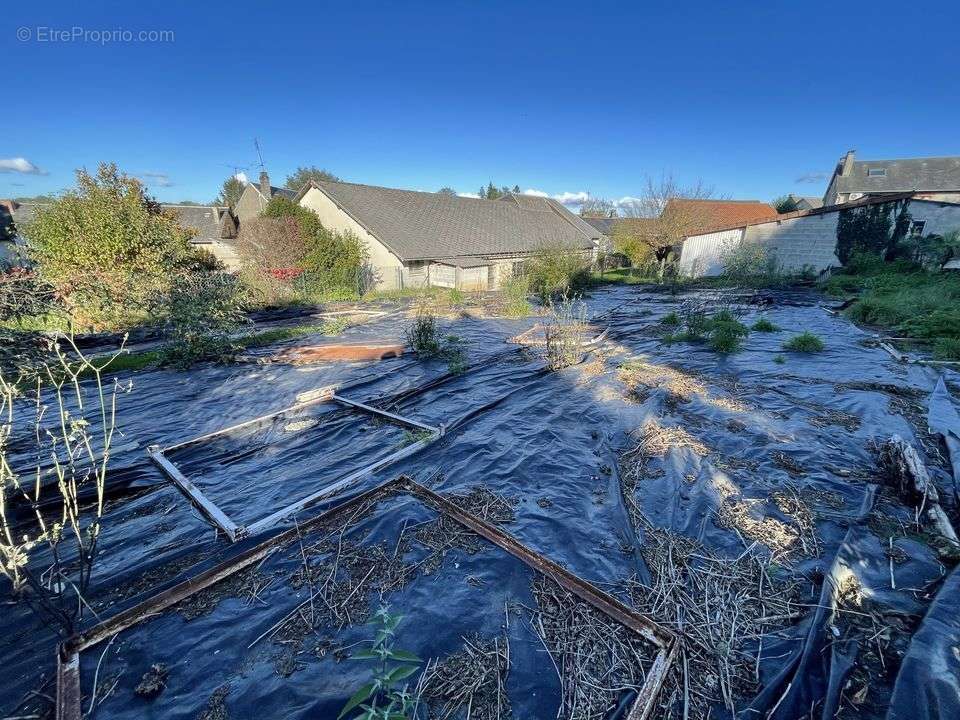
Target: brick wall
798,242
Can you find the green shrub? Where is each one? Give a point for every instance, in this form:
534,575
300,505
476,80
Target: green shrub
670,318
779,359
764,325
107,249
422,334
805,342
750,263
947,348
726,333
554,272
201,312
516,290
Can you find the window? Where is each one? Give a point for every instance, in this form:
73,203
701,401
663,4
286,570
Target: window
916,228
876,172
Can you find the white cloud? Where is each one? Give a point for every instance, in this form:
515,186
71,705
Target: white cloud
20,165
567,198
469,195
628,201
156,179
242,177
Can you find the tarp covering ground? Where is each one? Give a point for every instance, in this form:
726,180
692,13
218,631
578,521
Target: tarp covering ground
755,466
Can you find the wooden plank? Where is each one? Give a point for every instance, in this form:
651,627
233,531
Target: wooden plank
335,487
207,507
377,411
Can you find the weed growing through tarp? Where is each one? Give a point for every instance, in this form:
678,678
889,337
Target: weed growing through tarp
564,332
805,342
764,325
423,335
722,331
383,698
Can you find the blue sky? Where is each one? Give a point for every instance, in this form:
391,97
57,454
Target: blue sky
558,97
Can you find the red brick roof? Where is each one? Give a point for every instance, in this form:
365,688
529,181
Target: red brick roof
714,213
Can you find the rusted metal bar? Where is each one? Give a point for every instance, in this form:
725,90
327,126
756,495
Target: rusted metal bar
125,619
602,601
377,411
68,684
217,516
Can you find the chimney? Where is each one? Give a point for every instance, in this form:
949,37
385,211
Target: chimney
846,165
265,184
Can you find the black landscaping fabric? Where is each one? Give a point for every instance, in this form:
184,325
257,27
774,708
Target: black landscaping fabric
550,442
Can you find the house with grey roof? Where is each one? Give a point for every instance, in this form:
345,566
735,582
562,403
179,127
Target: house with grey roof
805,202
254,198
936,178
418,239
215,229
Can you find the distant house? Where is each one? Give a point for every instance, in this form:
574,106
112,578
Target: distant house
215,228
807,238
254,198
936,178
418,239
805,202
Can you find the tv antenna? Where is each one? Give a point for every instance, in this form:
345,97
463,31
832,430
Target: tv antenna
256,144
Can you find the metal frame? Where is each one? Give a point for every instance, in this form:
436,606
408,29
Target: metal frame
68,706
235,531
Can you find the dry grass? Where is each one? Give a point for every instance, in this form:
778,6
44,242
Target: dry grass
721,609
595,657
644,377
473,680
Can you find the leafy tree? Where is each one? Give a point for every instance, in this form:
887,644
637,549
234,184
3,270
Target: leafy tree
447,191
107,249
784,204
230,192
492,192
326,260
303,175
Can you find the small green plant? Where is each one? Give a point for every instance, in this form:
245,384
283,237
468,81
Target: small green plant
422,334
383,698
726,333
947,348
671,318
334,326
805,342
779,359
764,325
411,437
